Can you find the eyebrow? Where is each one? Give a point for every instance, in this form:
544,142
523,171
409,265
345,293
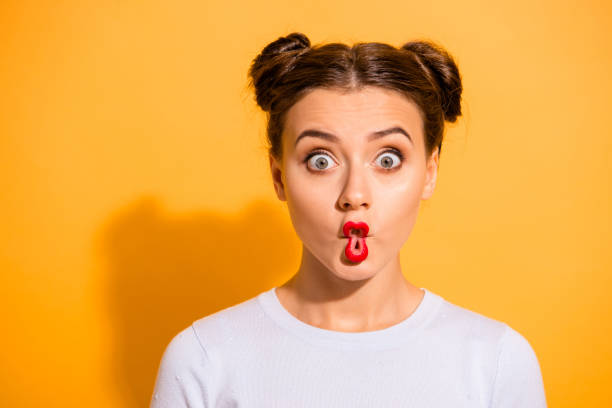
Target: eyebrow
333,138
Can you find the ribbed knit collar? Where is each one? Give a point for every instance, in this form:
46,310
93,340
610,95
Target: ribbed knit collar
390,337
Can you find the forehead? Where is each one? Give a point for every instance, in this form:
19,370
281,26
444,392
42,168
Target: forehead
353,112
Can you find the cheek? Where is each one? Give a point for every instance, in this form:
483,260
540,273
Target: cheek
404,196
303,195
399,205
311,206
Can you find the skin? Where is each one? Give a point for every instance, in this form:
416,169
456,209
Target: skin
328,291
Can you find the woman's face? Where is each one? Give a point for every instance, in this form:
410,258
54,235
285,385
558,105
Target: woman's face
357,156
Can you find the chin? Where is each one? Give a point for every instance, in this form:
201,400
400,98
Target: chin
351,271
353,275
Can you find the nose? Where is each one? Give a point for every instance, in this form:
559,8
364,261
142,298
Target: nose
356,192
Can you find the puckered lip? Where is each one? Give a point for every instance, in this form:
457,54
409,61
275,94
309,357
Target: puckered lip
363,228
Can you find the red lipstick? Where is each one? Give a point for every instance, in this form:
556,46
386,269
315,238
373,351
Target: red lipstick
356,249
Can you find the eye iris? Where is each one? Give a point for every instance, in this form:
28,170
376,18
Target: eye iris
321,163
387,162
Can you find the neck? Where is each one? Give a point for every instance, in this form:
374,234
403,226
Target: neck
324,299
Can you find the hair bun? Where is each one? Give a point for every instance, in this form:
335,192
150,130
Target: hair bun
274,61
442,70
291,42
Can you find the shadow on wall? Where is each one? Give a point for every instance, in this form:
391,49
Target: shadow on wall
164,271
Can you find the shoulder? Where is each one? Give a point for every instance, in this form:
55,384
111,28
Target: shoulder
510,358
515,344
190,367
217,330
234,332
184,376
518,380
464,323
476,327
184,344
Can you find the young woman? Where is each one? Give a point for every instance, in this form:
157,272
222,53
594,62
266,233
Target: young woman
355,135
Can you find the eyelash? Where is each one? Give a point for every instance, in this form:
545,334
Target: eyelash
388,150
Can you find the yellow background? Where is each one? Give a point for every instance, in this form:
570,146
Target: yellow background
136,198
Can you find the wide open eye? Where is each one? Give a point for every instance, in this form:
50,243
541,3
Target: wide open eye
319,161
389,159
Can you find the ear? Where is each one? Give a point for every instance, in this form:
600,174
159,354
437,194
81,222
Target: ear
277,177
430,175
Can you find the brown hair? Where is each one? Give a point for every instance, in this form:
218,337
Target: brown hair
424,72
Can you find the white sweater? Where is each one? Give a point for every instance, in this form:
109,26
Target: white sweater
257,354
